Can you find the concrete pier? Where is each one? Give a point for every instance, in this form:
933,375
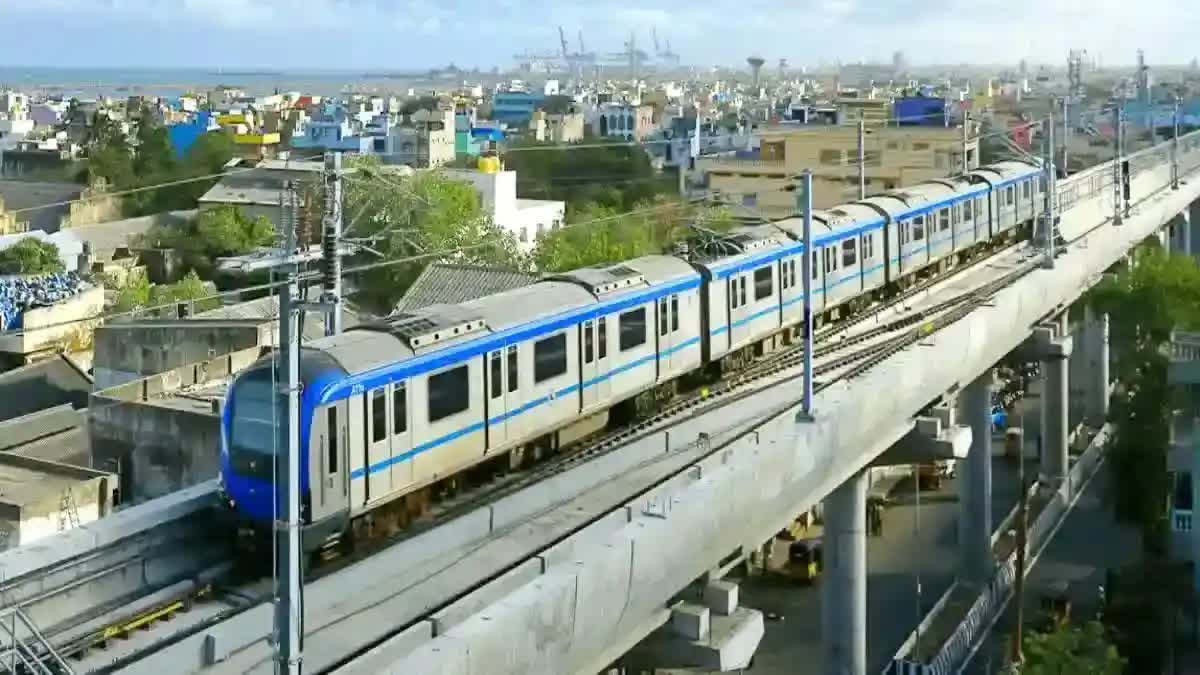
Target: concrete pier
975,516
1055,422
844,586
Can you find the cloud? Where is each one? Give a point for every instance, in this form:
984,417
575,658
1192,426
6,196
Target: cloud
417,33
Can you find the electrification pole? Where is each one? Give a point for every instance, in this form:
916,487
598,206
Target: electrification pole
1118,125
1125,162
1066,134
966,139
331,262
804,204
862,155
289,600
1050,178
1175,146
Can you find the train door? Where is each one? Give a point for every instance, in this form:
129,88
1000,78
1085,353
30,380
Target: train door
497,409
378,437
357,452
665,334
593,370
402,460
328,453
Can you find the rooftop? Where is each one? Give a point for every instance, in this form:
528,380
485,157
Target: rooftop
443,283
43,385
26,481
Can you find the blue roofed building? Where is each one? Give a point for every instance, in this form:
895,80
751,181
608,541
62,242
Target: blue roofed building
332,128
919,111
516,107
183,135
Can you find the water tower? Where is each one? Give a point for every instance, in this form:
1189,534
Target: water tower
756,64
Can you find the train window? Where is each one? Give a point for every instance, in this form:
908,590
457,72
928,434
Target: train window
513,370
662,317
849,254
763,284
979,207
733,288
331,446
449,393
918,231
632,326
868,247
674,312
1041,184
399,409
378,415
966,213
496,374
602,338
944,219
1009,196
589,343
783,275
794,273
1025,189
816,270
549,357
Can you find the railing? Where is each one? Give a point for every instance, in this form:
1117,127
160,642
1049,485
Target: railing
742,163
1185,346
23,648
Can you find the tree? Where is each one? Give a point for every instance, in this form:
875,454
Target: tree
428,215
597,234
30,256
215,233
1146,302
138,292
1071,650
611,173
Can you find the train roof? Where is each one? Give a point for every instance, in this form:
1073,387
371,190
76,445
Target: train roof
606,279
528,303
741,248
1002,173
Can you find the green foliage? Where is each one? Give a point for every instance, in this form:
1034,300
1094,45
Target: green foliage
1071,650
30,256
611,174
1144,600
427,215
139,292
214,233
150,161
1145,303
557,104
597,234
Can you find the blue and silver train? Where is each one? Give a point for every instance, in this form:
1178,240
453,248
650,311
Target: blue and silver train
389,409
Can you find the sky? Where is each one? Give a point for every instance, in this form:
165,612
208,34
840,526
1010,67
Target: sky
401,34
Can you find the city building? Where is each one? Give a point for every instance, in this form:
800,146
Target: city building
525,219
331,129
426,139
893,157
259,192
623,120
515,108
565,127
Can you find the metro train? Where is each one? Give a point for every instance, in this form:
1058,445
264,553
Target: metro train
391,408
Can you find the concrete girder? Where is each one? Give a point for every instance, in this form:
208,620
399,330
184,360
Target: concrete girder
928,442
716,637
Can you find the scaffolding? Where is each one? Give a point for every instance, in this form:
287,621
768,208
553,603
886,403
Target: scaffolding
23,648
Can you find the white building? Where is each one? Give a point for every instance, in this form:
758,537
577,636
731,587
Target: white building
525,219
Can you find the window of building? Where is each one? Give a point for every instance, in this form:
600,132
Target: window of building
632,327
873,158
399,409
449,393
524,236
513,371
589,343
920,145
601,337
674,312
378,414
496,374
331,436
849,254
939,160
830,157
763,285
944,219
750,199
549,357
893,145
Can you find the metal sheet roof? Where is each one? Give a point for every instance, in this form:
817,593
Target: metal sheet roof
448,284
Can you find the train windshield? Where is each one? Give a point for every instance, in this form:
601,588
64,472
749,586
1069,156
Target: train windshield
256,430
